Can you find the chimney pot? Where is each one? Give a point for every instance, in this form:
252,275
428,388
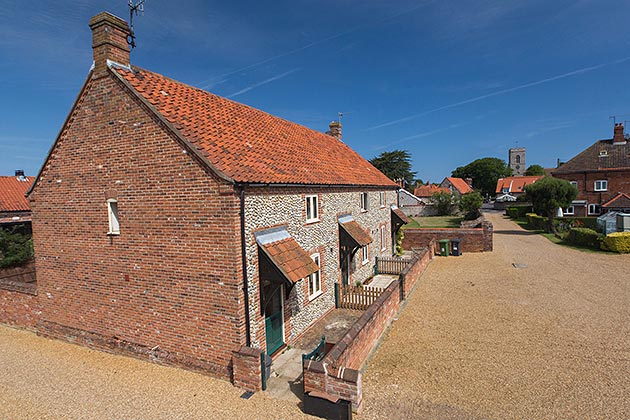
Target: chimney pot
618,137
109,41
334,129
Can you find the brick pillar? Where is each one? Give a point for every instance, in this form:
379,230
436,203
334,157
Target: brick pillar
487,236
246,369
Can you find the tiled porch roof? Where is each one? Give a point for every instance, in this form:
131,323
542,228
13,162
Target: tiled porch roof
399,214
354,230
286,254
621,200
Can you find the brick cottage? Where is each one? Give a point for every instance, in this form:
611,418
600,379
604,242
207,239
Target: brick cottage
175,224
601,173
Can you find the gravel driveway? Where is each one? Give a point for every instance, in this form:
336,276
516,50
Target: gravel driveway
483,339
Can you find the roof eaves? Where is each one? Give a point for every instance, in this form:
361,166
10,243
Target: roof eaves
170,126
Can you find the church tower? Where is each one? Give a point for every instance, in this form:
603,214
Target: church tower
516,160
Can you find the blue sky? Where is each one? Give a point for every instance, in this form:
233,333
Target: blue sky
449,81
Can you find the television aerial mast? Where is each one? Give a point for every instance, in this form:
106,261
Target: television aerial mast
134,8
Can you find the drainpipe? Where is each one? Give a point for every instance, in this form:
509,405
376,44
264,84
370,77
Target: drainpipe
248,338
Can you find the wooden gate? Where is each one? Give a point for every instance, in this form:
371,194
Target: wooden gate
358,297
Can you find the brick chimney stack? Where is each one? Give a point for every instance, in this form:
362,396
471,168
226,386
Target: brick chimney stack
109,42
334,129
618,137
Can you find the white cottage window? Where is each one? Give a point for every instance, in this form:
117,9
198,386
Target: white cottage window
312,208
314,280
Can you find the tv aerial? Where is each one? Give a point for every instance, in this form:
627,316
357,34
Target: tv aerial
134,8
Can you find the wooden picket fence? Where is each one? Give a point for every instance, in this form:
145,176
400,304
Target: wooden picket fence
358,297
391,265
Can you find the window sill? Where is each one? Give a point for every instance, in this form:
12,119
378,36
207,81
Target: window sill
364,262
315,296
311,221
364,211
113,233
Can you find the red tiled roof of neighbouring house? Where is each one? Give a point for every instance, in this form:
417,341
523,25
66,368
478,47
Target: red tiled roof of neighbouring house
12,193
246,144
461,185
621,200
515,184
429,190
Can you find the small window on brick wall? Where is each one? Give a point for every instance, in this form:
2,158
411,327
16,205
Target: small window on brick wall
112,211
601,185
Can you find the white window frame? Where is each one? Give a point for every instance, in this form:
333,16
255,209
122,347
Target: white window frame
594,208
315,280
312,208
383,240
364,201
382,198
569,211
601,185
113,217
365,255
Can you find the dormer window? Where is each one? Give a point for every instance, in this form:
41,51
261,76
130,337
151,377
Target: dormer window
603,153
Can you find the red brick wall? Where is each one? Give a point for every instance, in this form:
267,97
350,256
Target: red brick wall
341,376
247,372
19,308
170,285
472,240
618,181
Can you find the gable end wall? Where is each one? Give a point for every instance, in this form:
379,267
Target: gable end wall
170,285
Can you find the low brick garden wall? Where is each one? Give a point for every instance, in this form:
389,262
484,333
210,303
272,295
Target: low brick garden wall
472,239
339,374
18,296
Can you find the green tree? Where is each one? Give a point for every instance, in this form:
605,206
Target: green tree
547,195
485,173
470,204
535,170
16,248
444,202
395,164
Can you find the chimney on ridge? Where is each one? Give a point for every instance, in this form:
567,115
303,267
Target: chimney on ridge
618,137
334,129
109,42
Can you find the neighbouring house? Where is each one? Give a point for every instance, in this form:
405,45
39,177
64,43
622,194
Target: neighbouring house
510,188
414,206
425,192
14,206
600,173
457,186
185,227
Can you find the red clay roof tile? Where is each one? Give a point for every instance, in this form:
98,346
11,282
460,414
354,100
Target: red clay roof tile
515,184
12,193
249,145
290,258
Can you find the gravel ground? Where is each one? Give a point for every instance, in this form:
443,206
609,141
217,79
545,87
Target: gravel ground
50,379
483,339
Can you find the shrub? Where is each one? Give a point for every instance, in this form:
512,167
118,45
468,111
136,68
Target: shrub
444,203
536,222
16,248
617,242
470,204
584,237
399,240
518,212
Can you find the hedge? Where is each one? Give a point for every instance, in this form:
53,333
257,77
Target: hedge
583,237
587,222
518,212
617,242
16,248
536,222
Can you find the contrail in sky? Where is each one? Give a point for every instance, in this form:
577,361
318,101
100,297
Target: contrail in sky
304,47
264,82
499,92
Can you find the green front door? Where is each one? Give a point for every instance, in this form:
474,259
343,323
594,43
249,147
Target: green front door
273,319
